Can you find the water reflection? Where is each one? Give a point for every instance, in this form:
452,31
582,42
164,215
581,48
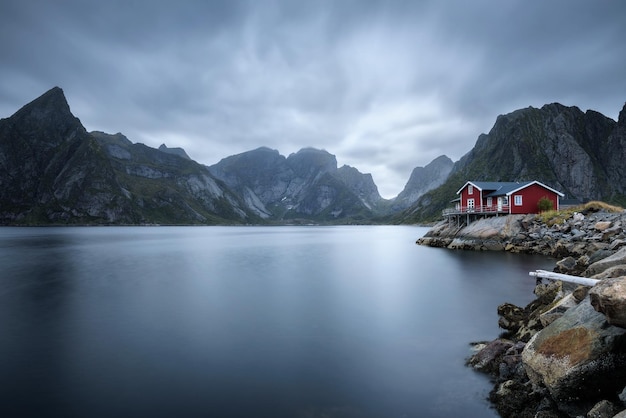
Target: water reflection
35,287
328,321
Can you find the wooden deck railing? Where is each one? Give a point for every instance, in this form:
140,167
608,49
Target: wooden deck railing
480,209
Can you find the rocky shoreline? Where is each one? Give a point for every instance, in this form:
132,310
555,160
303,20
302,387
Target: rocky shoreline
564,354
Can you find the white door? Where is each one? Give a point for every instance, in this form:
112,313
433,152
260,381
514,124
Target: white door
499,204
470,205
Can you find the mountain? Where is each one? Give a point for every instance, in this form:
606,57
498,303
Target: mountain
176,151
168,188
422,180
52,171
578,153
307,184
362,185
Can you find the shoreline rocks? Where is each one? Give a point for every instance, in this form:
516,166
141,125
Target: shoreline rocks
571,366
564,354
579,235
577,357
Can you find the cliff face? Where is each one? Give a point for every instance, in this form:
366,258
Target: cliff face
561,146
362,185
613,154
52,170
578,153
423,180
166,187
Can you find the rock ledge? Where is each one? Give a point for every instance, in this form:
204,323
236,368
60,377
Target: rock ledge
564,354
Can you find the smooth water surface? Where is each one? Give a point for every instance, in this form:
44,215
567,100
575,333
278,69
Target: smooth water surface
342,321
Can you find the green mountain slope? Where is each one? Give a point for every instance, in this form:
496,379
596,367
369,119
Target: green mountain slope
578,153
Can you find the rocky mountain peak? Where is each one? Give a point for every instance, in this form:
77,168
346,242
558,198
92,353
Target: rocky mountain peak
312,161
439,161
424,179
174,151
48,119
118,138
252,162
307,183
50,104
361,184
261,175
556,108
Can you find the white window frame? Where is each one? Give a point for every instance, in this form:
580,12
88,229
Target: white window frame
470,189
489,202
518,199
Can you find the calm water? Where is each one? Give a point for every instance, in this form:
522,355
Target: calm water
246,322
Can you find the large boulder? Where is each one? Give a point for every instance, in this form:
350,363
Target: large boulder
558,310
523,323
489,357
603,409
611,261
609,298
611,272
501,227
511,317
578,356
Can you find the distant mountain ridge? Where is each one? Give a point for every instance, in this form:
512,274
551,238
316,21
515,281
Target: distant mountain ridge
305,184
52,171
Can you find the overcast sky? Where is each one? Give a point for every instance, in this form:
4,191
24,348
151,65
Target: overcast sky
384,85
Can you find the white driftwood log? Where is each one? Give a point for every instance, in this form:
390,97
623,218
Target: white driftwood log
543,274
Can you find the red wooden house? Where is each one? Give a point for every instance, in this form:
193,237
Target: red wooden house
484,197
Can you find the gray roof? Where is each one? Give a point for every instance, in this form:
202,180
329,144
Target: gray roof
503,188
495,186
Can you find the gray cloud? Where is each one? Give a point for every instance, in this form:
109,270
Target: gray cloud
384,85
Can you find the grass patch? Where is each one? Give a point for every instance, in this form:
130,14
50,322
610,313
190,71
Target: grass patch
557,217
598,206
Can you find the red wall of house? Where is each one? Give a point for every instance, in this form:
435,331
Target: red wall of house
465,196
530,198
